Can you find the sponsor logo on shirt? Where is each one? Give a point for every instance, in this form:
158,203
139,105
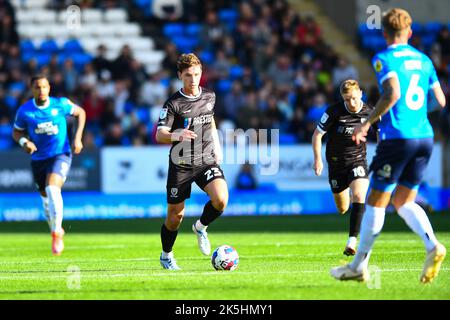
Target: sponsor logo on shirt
47,128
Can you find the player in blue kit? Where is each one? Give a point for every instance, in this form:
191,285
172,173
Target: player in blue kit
405,76
41,130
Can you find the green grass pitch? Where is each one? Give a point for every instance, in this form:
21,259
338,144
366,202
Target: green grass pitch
281,257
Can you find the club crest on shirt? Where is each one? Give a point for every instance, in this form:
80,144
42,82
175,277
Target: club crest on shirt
163,113
54,112
209,106
378,66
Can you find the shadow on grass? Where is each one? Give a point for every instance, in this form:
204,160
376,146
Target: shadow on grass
299,223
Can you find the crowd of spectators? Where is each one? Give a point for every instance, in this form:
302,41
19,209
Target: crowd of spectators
270,68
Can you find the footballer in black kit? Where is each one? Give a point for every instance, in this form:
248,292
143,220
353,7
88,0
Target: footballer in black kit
190,160
347,163
187,122
346,160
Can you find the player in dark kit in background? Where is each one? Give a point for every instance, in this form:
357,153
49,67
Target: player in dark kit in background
347,164
187,121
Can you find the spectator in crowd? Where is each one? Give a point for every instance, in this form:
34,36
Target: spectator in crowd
344,71
246,180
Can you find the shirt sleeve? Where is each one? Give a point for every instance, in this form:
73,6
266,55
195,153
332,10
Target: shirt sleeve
326,121
19,122
166,116
382,70
67,106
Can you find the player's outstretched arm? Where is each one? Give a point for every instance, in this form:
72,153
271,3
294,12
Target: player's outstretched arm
317,149
390,96
80,114
20,138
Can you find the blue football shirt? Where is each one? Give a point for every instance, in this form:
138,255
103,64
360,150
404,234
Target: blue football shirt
407,119
46,125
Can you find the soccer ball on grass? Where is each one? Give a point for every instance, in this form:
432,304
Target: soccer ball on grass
225,258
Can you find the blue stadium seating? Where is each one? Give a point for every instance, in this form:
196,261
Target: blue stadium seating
432,27
228,15
229,18
193,29
224,85
43,59
185,44
207,57
80,59
236,72
142,114
72,45
49,46
171,30
27,46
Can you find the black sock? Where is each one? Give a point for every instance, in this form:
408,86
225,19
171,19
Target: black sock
167,238
355,218
209,214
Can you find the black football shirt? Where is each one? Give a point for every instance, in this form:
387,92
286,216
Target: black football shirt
339,123
196,114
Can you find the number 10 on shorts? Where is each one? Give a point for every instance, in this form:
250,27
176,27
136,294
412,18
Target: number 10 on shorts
359,171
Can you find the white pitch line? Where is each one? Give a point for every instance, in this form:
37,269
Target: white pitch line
180,274
55,260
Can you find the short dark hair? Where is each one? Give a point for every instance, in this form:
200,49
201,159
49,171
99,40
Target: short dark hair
37,77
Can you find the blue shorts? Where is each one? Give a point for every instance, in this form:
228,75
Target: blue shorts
400,161
59,164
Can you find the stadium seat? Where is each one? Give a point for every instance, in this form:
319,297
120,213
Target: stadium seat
417,29
49,46
142,3
193,29
142,114
27,46
102,29
44,16
43,59
151,68
27,56
57,31
171,30
224,86
72,45
145,5
80,59
92,15
428,40
140,43
207,57
236,72
432,28
24,16
185,44
116,15
228,15
127,29
89,44
363,31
